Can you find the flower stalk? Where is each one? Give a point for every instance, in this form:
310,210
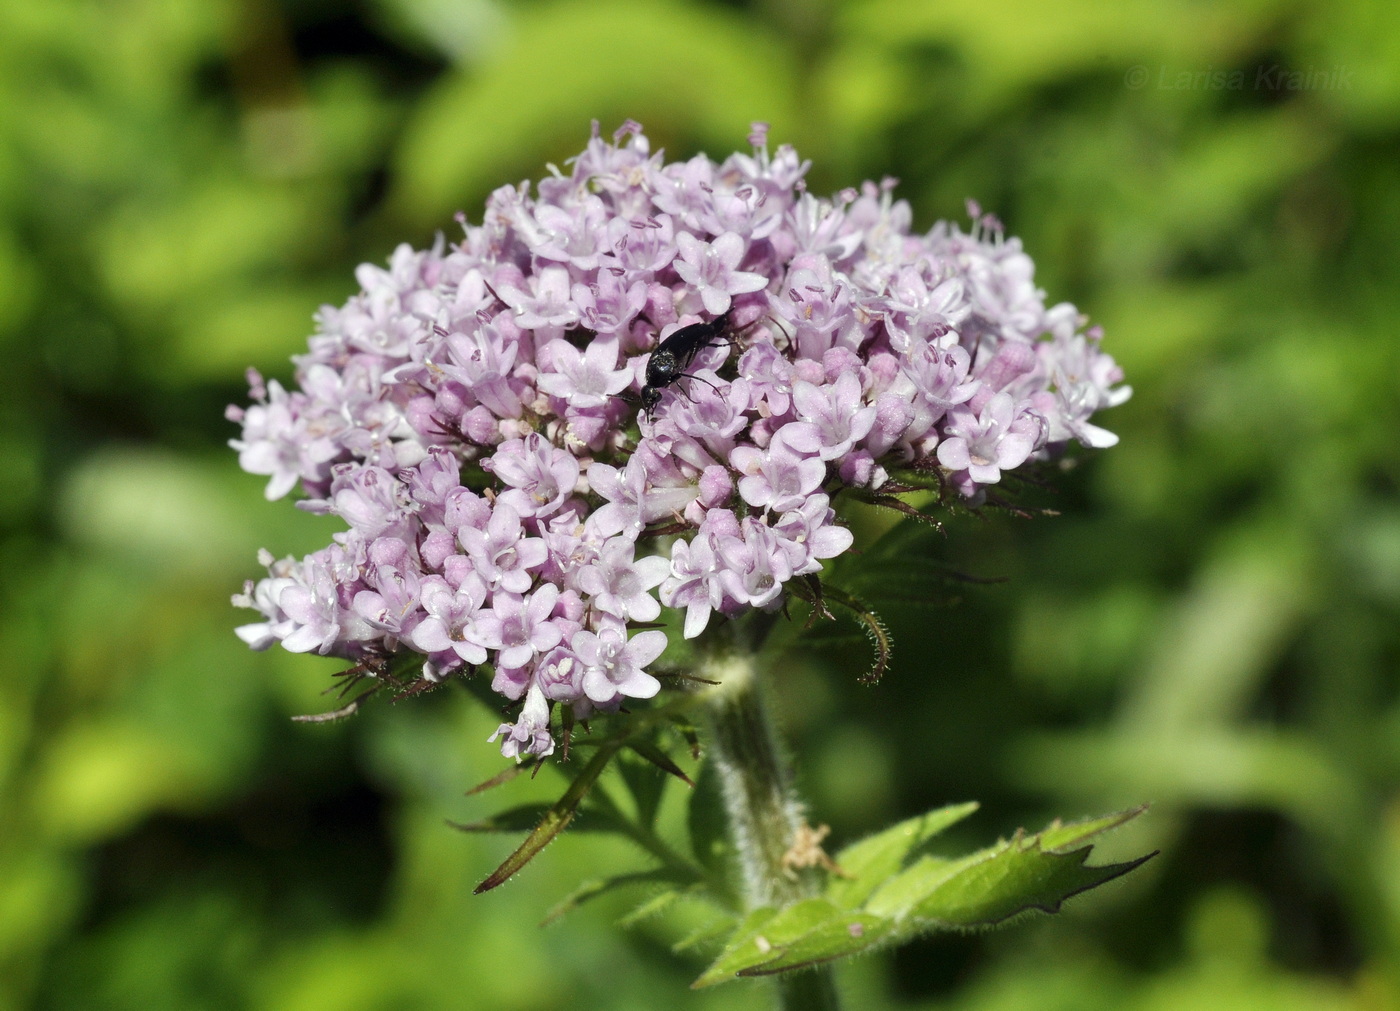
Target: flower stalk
764,812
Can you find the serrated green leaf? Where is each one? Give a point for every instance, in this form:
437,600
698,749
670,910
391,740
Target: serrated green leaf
1061,837
995,884
742,935
898,895
870,862
887,898
1019,877
794,937
846,934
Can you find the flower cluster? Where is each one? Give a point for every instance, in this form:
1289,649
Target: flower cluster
472,415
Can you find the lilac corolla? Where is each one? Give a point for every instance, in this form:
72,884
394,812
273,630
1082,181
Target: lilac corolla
693,582
587,378
709,268
539,476
644,245
998,439
312,602
613,664
612,302
753,566
939,372
544,303
781,476
528,735
559,673
451,622
263,597
393,601
574,234
501,555
285,436
518,628
837,412
810,534
617,584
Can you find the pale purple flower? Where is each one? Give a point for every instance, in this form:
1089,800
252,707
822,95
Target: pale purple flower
540,476
683,191
432,481
370,499
528,735
559,673
816,306
573,234
770,376
519,627
394,597
646,490
587,378
998,439
783,475
451,622
263,597
624,493
837,412
311,600
917,311
810,533
612,302
693,583
286,437
709,268
480,360
644,244
617,584
544,303
753,566
1012,360
1084,382
818,227
501,555
939,372
612,664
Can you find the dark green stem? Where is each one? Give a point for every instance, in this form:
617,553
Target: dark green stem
763,809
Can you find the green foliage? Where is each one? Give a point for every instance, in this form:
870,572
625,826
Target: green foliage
884,890
888,891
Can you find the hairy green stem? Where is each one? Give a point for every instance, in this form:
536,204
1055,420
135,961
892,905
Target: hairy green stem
764,812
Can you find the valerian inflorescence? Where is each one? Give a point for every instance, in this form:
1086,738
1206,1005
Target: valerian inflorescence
472,416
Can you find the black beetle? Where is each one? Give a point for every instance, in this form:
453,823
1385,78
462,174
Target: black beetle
673,355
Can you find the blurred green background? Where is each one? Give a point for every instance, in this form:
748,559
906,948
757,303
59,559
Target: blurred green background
1210,625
